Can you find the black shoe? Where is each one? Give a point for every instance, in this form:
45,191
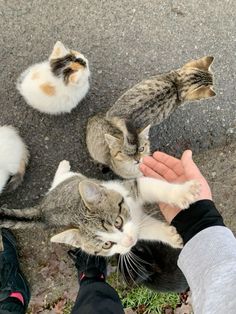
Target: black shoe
89,266
11,278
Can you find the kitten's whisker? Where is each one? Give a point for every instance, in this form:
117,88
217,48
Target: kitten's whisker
145,218
122,268
136,265
117,273
127,268
131,260
127,265
144,270
140,259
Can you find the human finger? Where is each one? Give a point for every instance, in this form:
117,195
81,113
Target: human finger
159,168
148,172
169,161
189,165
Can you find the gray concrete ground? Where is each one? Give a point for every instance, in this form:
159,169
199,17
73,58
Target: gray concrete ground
125,42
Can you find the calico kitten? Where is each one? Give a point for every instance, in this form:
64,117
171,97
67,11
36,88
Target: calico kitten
114,143
58,84
154,99
103,218
154,265
13,158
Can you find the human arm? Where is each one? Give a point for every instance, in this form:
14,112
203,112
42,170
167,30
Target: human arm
208,259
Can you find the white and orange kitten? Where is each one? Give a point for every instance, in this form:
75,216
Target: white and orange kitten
13,158
57,85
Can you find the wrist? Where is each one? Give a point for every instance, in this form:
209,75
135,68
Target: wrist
200,215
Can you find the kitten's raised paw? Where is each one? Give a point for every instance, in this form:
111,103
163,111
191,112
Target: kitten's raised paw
64,166
189,194
175,239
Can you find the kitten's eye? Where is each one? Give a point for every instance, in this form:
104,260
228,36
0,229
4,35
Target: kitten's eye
141,149
118,222
107,245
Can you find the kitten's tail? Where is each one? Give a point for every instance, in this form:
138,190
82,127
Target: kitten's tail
17,178
20,218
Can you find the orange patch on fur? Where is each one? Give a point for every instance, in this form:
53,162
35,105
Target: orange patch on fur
75,66
35,76
48,89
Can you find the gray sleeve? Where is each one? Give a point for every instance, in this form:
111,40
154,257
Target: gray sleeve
208,262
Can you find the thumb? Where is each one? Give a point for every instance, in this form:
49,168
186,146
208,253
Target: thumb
188,164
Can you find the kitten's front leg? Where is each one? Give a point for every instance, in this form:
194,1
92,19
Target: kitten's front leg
156,230
180,195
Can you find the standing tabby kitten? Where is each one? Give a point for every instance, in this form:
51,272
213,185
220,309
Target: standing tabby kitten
13,158
58,84
114,143
154,99
103,218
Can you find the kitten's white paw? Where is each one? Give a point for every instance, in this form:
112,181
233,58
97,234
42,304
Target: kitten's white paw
188,195
175,239
64,166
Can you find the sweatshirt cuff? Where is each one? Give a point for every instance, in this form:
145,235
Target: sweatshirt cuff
199,216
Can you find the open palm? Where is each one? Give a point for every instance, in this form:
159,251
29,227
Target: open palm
173,170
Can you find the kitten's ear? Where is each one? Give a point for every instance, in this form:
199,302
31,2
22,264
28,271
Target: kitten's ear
91,193
200,93
201,64
59,51
111,140
145,132
71,237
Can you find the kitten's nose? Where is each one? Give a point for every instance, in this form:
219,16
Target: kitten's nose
127,241
137,159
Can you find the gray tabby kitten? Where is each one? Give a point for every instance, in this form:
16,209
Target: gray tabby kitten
113,142
154,99
103,218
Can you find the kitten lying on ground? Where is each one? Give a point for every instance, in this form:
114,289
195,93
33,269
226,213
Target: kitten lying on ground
13,158
113,142
154,99
154,265
103,218
58,84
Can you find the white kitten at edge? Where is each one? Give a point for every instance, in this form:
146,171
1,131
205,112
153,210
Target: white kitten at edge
13,158
57,85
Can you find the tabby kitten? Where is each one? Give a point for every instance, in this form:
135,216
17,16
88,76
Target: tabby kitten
13,158
154,99
58,84
103,218
114,143
154,265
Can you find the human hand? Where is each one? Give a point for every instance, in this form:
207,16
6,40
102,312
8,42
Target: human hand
173,170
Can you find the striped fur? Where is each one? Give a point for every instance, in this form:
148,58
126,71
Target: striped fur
87,211
154,99
116,143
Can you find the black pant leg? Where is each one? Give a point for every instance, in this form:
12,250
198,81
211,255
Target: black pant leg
97,298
